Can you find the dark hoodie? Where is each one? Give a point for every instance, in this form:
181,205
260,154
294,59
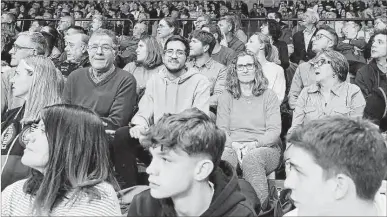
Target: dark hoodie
228,200
372,81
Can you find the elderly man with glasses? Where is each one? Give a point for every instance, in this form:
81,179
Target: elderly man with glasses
26,44
107,90
175,88
325,39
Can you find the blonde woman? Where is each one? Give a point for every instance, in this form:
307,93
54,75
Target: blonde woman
39,84
260,45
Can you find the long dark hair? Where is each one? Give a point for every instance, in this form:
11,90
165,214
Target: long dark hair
78,157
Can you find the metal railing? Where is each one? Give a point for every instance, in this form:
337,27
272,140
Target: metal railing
249,25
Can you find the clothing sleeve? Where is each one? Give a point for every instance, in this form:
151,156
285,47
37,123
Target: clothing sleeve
240,48
295,88
363,82
279,86
66,96
4,93
6,196
299,114
297,48
273,121
220,85
145,112
202,96
358,103
360,43
283,55
231,57
123,104
223,115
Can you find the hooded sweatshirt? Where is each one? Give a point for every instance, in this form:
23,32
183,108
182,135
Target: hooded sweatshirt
228,200
163,95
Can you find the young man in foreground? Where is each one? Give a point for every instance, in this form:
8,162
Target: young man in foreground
186,175
335,167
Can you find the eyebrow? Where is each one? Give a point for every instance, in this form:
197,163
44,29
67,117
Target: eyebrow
294,165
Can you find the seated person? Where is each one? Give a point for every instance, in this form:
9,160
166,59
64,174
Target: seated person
331,94
174,89
76,52
71,174
335,166
38,84
107,90
372,81
260,45
249,113
186,175
201,46
352,46
325,39
149,61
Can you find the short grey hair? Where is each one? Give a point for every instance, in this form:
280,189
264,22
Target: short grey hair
338,62
84,38
111,34
314,14
102,19
38,41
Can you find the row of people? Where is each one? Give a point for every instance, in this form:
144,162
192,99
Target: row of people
179,84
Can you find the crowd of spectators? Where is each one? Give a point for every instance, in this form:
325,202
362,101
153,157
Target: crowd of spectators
88,103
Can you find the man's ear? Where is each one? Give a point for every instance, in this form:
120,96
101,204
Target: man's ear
203,169
342,186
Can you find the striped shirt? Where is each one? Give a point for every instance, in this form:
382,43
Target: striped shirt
14,202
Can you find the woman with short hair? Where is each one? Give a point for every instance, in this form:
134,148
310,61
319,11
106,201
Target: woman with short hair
39,84
71,173
166,28
249,113
331,94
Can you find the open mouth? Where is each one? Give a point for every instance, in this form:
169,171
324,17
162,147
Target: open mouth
317,73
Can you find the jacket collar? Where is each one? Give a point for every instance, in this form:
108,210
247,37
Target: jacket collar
337,89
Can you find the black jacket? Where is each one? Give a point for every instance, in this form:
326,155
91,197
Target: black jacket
369,78
282,53
227,201
299,48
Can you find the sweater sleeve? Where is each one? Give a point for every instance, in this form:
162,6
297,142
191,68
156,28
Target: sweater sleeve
298,114
220,84
202,95
223,114
295,88
6,196
67,89
123,104
362,80
145,112
357,102
279,86
273,120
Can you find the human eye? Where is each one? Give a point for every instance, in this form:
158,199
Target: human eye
164,159
180,52
250,66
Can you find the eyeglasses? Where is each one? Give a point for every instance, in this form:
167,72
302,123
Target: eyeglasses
320,63
319,36
241,67
104,48
17,47
179,53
